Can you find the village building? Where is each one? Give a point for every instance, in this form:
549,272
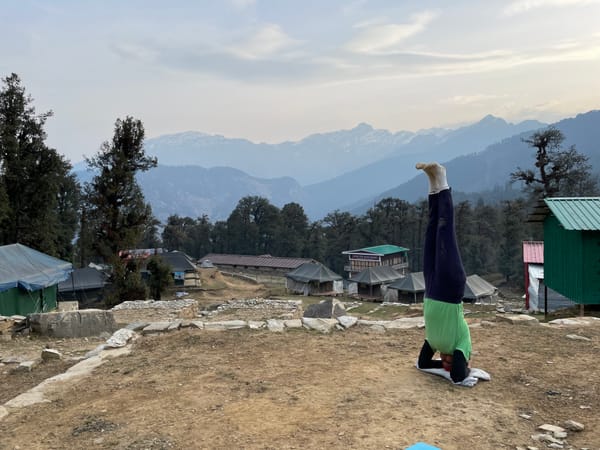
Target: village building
571,247
29,280
261,268
381,255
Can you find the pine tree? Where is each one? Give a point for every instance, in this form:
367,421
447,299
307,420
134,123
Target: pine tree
116,212
38,194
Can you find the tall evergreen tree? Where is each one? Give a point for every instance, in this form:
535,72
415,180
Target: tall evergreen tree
291,236
117,213
252,226
38,194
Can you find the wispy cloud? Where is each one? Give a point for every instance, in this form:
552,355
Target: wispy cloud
264,42
381,39
523,6
471,99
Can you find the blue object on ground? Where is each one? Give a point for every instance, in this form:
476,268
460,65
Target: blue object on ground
422,446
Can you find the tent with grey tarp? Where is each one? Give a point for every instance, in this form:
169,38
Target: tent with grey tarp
373,281
29,279
314,278
477,289
412,286
86,286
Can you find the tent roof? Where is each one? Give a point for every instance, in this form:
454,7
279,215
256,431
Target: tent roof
477,287
376,275
85,278
21,266
413,282
313,272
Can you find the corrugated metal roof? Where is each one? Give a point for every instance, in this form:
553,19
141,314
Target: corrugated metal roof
382,250
533,252
576,213
273,262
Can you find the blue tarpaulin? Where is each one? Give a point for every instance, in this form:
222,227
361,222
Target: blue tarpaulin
26,268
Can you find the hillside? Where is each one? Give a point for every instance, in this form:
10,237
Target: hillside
490,169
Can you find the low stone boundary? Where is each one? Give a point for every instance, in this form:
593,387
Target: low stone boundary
279,325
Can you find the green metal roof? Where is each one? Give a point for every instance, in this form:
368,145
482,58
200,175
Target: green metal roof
386,249
576,213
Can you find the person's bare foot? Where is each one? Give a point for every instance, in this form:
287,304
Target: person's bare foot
436,174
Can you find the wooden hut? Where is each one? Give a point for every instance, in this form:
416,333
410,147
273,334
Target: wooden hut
572,247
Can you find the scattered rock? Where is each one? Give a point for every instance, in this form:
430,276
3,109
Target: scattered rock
292,323
517,319
327,309
320,324
156,327
573,426
120,338
49,354
25,366
225,325
405,323
137,326
256,324
275,325
576,337
347,321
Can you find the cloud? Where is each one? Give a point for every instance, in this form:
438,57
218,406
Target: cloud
523,6
382,39
471,99
268,40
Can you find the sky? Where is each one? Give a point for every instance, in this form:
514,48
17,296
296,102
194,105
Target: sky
277,70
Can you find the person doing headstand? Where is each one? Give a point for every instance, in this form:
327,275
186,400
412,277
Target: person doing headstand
446,330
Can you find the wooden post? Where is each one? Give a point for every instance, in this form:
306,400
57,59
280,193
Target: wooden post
545,301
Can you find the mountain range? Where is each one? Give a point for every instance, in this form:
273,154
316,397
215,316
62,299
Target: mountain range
348,170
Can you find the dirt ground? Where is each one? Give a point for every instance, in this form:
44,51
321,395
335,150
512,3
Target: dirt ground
298,389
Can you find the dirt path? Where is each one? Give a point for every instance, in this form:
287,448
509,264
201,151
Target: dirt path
300,389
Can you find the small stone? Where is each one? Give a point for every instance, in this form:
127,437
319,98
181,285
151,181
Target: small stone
574,426
49,354
25,366
525,416
576,337
275,325
551,428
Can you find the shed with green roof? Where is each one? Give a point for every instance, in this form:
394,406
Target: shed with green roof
572,248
